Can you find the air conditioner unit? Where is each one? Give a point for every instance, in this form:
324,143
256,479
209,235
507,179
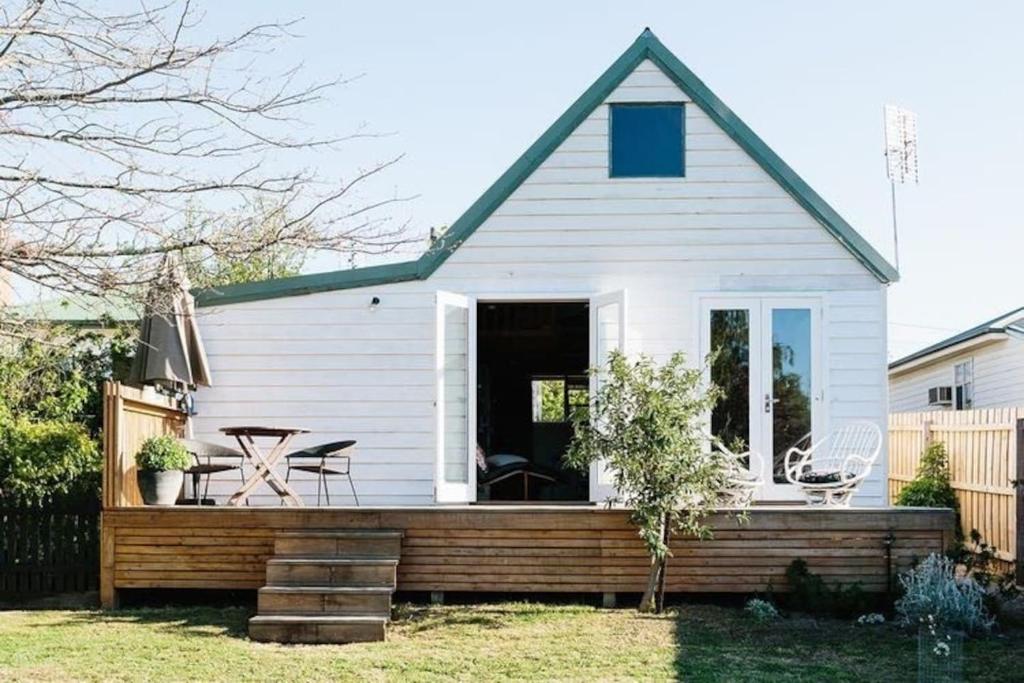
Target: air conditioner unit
940,396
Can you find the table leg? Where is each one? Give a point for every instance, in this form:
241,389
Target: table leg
263,470
273,479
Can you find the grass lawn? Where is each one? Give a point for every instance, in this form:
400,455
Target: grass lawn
507,641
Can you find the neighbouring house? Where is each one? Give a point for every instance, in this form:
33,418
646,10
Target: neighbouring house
982,367
647,218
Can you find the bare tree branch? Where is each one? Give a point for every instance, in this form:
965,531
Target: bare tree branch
127,137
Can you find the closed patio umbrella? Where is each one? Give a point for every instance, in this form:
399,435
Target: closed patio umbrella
170,349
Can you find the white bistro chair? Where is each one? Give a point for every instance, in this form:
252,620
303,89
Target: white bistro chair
831,470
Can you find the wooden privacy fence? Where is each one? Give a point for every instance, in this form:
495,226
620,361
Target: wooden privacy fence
46,551
985,449
130,416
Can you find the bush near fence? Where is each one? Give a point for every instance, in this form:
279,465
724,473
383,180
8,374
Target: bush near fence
985,449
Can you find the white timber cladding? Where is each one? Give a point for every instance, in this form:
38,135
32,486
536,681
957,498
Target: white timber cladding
998,378
327,362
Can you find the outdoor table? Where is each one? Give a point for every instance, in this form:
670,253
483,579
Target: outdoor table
264,464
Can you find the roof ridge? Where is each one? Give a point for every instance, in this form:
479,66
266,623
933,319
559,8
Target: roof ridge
646,46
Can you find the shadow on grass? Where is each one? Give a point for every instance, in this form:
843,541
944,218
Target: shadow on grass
726,644
191,621
423,618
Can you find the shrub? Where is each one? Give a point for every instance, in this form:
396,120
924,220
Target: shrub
871,619
810,593
932,594
161,454
761,610
931,487
46,461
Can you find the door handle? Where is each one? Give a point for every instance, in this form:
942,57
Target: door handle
769,402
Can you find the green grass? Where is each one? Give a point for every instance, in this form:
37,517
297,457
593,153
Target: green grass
507,641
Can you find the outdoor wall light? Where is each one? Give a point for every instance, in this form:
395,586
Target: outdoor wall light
374,303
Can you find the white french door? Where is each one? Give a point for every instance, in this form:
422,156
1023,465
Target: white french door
455,403
770,368
607,334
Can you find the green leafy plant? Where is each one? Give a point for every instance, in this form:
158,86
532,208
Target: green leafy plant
931,485
43,462
812,594
162,454
761,610
646,423
934,595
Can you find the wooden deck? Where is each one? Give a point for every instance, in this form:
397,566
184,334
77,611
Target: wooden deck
518,549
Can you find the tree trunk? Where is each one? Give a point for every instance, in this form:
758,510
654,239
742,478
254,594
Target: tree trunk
666,530
647,602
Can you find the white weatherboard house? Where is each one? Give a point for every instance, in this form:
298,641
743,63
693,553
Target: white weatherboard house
982,367
648,218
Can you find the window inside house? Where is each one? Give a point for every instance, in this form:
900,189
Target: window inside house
646,140
963,385
555,399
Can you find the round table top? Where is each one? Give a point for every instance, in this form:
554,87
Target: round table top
257,430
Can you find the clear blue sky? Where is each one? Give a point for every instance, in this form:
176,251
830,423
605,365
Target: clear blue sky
466,87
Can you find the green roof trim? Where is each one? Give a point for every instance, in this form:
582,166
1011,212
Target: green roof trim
308,284
646,46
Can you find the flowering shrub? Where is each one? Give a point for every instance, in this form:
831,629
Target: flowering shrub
934,596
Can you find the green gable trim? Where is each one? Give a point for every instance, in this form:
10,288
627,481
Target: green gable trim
647,46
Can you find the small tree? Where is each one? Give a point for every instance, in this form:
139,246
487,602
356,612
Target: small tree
647,422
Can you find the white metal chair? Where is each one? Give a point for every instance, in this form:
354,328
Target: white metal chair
831,470
743,475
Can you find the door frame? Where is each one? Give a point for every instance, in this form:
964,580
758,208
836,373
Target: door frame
760,304
471,393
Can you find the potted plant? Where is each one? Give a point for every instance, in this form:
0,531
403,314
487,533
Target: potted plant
161,461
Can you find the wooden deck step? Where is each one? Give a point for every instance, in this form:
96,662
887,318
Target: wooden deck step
317,629
331,571
344,543
317,600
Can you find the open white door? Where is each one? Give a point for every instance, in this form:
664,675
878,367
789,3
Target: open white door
455,404
607,333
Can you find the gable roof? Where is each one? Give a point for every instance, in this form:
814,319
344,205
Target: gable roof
646,46
1000,325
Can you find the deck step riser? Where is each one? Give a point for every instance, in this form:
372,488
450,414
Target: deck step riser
328,586
312,574
368,604
311,632
390,548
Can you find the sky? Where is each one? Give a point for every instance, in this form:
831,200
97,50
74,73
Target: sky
462,88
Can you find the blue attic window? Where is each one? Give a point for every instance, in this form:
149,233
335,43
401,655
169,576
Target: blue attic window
646,141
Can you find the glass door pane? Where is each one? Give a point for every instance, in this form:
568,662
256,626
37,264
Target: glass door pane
730,371
792,384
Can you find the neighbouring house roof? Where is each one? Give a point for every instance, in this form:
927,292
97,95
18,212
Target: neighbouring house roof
991,330
646,46
78,311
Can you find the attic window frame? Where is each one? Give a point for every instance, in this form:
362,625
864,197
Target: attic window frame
636,105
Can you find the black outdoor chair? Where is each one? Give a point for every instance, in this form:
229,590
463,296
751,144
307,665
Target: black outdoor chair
325,460
210,459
